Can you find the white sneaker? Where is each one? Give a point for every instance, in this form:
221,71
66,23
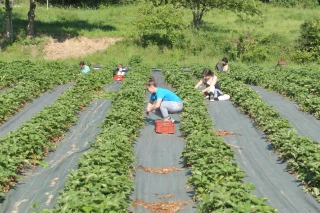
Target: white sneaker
171,119
206,97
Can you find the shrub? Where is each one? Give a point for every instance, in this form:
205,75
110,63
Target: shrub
162,26
247,48
308,49
294,3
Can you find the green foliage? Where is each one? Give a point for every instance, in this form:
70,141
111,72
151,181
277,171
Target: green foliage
161,25
295,3
309,42
301,154
135,59
216,179
85,3
251,47
103,179
200,7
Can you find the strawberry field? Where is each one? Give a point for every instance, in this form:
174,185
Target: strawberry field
92,149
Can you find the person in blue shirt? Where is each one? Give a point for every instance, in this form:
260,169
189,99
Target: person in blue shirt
163,100
84,68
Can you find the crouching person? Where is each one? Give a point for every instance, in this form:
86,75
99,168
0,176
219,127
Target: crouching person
163,101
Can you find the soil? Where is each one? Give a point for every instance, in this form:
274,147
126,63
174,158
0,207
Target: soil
58,48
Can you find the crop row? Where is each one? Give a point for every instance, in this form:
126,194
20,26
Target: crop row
103,180
28,145
13,72
217,180
307,77
301,154
40,80
280,82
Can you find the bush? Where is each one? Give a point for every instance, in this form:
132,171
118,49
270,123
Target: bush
84,3
135,60
162,26
308,49
248,48
294,3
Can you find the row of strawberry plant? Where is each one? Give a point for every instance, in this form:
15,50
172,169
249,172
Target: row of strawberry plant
217,180
306,77
103,180
301,154
278,82
303,77
40,80
33,139
13,72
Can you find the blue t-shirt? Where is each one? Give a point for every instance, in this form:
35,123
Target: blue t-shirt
165,94
85,69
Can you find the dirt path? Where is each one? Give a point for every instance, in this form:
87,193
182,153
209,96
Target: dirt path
76,47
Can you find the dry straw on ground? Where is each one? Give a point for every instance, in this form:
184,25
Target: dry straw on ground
225,132
160,170
161,207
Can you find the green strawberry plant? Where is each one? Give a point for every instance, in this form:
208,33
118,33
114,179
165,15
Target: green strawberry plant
301,154
29,144
216,179
103,180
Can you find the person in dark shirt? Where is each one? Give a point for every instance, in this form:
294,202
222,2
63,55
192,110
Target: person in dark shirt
212,90
120,70
222,65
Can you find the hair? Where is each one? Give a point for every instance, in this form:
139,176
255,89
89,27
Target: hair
120,65
225,60
151,82
207,72
81,63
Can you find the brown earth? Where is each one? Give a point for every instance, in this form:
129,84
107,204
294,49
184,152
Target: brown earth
76,47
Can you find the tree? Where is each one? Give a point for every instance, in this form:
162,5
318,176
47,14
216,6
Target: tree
31,17
9,27
200,7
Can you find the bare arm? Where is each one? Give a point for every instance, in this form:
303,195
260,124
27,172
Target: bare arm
155,106
225,68
198,84
212,82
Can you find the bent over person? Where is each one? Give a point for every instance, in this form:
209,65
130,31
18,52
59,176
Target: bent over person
84,68
222,65
162,100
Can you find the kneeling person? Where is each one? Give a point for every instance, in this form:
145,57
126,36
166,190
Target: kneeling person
163,100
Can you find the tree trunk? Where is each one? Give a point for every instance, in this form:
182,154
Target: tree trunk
9,27
196,20
31,17
198,11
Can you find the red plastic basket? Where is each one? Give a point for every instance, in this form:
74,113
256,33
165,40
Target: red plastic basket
164,127
118,77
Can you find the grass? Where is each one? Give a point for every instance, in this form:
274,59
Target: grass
281,24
